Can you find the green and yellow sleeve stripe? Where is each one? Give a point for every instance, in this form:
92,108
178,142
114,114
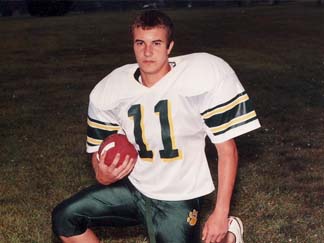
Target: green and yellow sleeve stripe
234,113
97,131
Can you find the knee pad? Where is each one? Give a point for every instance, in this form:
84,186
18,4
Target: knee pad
66,221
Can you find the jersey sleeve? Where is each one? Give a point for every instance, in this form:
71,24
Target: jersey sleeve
226,109
101,123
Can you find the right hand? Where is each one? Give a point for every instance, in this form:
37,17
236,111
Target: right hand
109,174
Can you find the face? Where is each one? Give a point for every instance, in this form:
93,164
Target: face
151,51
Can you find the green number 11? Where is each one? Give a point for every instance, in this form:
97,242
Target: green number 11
163,110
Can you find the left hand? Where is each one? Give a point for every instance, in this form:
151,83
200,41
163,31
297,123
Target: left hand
215,228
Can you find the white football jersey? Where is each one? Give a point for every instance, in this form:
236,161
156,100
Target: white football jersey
168,122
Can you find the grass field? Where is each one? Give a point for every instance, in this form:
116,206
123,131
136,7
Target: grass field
48,66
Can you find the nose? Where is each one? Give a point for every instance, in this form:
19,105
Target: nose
148,50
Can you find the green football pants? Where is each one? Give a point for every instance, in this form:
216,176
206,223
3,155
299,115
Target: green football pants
120,204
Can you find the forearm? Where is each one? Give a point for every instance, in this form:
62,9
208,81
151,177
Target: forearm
216,226
94,162
227,170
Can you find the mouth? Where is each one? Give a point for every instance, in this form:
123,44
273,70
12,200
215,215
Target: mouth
148,61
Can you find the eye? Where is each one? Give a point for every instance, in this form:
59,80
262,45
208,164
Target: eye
139,43
157,43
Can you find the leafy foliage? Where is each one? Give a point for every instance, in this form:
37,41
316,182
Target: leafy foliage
48,7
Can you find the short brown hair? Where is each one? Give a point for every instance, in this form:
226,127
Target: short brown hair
154,18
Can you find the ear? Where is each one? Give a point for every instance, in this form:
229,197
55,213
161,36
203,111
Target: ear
170,47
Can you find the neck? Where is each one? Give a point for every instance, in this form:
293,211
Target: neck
149,79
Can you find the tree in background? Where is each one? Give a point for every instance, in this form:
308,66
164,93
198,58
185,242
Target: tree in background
48,7
273,2
5,9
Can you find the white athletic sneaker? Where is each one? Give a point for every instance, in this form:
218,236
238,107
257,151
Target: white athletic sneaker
236,227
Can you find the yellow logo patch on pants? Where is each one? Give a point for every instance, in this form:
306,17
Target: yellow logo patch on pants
192,218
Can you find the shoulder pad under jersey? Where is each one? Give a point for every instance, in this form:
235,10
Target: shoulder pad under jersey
200,73
115,87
